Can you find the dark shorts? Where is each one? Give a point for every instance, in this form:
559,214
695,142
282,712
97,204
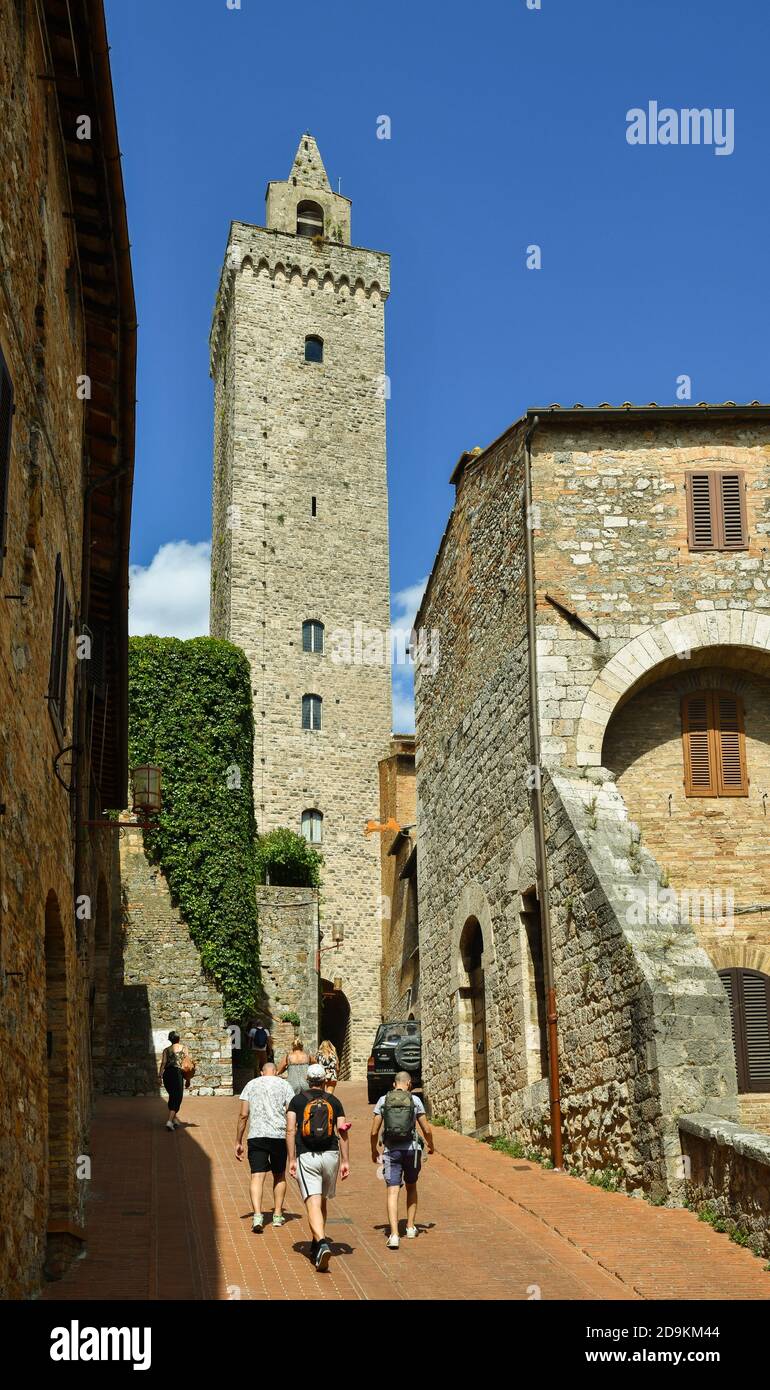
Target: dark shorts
401,1165
268,1156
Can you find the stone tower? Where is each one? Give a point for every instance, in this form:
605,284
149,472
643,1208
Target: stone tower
300,548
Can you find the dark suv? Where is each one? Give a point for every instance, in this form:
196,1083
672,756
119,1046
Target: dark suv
397,1047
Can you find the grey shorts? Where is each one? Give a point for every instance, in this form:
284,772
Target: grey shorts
317,1173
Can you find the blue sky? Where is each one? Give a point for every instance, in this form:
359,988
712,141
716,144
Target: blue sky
508,130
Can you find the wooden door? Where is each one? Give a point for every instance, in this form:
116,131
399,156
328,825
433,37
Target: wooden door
480,1086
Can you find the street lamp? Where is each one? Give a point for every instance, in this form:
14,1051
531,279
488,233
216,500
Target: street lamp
146,783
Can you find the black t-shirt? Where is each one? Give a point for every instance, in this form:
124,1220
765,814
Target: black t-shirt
298,1106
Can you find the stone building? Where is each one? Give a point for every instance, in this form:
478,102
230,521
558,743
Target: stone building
67,386
300,544
400,968
651,596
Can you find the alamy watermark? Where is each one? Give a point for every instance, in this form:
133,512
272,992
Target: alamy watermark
663,125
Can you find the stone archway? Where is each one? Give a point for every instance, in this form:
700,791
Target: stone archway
472,966
60,1165
661,650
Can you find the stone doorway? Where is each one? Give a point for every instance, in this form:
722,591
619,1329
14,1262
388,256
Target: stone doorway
335,1024
472,950
533,987
60,1166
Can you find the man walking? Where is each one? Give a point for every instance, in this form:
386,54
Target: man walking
259,1042
315,1147
398,1114
264,1102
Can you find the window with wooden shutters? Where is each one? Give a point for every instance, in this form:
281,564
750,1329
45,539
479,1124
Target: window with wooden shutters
714,744
57,682
748,994
6,419
716,511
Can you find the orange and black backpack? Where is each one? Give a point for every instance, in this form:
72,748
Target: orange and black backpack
317,1120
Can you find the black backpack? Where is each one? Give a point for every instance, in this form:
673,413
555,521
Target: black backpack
260,1038
399,1115
317,1120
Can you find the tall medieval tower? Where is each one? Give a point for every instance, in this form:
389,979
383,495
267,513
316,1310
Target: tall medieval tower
300,546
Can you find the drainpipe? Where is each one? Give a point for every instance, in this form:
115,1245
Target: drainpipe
541,857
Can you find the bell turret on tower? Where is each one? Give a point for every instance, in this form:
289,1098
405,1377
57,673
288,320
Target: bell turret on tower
299,554
304,204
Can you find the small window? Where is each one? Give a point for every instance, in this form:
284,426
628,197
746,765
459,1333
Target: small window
57,682
311,711
314,349
312,636
312,826
310,219
748,993
714,745
6,418
313,509
716,511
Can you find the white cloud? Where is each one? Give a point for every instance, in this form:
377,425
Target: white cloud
404,604
170,596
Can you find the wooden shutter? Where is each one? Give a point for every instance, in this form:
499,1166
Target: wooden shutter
716,511
730,745
57,680
732,512
699,768
748,994
702,500
714,744
6,418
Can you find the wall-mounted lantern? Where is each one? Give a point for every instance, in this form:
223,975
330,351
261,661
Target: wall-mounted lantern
147,797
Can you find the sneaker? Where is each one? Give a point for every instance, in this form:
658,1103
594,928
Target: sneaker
411,1232
170,1125
393,1242
279,1220
258,1222
322,1256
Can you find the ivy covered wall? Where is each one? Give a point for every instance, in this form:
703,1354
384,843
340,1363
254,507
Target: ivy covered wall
190,713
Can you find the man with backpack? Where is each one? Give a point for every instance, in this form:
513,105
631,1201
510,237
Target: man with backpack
315,1148
259,1041
398,1114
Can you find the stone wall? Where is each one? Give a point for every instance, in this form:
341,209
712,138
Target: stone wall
288,942
49,1017
300,532
156,985
729,1176
400,968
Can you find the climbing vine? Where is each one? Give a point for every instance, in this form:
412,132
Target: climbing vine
190,713
286,860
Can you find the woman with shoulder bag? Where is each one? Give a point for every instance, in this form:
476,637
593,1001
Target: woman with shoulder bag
176,1071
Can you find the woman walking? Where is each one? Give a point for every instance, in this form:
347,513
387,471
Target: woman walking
327,1056
295,1064
173,1077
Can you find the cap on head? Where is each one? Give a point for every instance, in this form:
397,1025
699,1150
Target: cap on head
315,1072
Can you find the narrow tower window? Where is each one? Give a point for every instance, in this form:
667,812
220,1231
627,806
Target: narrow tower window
312,826
314,349
310,219
312,506
311,711
312,636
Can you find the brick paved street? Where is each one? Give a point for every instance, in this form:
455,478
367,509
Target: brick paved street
169,1217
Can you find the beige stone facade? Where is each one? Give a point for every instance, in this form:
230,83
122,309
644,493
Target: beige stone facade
628,619
67,339
400,938
300,535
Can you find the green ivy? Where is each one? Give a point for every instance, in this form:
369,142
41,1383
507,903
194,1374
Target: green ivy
190,713
287,860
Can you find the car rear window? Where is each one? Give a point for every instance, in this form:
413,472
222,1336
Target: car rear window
394,1032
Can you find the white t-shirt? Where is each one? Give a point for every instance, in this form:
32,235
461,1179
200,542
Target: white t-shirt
268,1100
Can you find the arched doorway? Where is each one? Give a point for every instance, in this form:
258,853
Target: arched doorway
100,980
472,953
59,1143
335,1023
748,993
533,986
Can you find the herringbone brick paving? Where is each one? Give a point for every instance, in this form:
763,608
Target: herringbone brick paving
169,1217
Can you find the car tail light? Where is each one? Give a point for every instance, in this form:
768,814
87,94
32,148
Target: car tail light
370,1064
